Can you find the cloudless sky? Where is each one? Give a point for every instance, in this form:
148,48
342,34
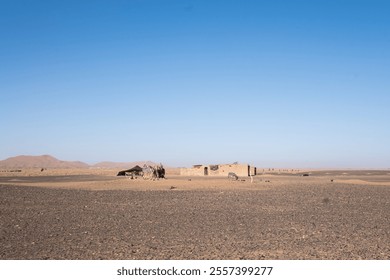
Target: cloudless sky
276,83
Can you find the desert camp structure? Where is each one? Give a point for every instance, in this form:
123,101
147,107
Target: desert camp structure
219,170
136,170
147,172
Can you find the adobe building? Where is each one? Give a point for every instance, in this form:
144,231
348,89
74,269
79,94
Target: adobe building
219,170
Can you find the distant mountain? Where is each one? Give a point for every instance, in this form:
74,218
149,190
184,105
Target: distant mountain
47,161
121,165
44,161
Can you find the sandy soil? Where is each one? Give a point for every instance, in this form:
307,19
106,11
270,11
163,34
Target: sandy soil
95,215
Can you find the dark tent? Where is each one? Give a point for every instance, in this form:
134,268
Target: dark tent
136,170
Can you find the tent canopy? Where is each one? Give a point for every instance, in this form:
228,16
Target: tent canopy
136,170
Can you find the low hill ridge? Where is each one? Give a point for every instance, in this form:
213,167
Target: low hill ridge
123,165
44,161
48,161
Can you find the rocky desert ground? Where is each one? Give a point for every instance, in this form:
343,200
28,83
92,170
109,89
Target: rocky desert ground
93,214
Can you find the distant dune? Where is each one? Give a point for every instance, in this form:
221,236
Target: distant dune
44,161
121,165
47,161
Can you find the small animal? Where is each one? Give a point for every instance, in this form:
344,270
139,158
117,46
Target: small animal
232,176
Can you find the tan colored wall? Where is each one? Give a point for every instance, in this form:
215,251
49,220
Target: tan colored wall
223,170
239,169
253,171
192,171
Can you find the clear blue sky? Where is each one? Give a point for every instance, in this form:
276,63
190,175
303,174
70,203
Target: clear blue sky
272,83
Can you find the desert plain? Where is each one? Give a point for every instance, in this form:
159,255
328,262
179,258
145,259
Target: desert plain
94,214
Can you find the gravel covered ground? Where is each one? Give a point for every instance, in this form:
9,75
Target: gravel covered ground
285,219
